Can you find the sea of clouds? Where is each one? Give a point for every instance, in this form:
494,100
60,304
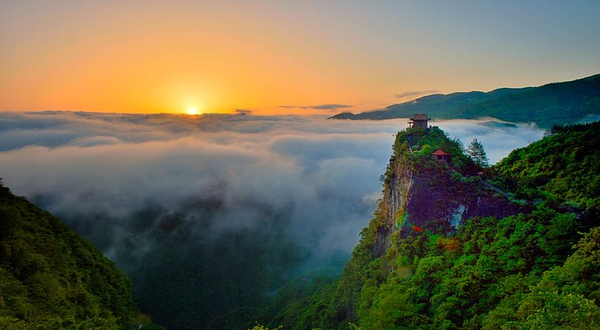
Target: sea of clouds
294,190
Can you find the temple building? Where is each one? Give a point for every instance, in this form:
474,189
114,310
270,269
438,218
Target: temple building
441,155
418,120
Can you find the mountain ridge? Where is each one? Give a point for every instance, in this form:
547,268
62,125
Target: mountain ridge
546,105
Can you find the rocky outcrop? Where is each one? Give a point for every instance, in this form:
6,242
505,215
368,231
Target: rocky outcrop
421,193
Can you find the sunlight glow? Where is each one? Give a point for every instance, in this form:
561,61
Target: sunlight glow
192,111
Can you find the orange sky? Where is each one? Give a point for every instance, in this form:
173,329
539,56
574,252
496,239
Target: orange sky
159,56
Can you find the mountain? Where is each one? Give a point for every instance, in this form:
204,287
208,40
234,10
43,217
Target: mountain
51,278
456,246
547,105
436,105
422,192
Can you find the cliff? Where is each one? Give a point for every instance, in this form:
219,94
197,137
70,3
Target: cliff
450,247
421,192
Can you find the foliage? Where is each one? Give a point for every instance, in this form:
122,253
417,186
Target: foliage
429,141
476,151
469,280
563,168
51,278
260,327
566,297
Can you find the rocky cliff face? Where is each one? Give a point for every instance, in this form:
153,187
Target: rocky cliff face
422,193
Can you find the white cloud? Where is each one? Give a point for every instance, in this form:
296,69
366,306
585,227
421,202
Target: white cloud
134,184
113,165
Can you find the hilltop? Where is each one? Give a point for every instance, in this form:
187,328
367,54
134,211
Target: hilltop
456,246
547,105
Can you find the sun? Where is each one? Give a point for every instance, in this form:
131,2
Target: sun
192,111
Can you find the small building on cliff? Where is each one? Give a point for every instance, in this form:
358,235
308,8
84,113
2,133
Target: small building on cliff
418,120
441,155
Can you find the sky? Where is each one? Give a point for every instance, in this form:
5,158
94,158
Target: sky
282,57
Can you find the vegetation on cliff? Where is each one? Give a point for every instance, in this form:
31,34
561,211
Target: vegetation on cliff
532,269
51,278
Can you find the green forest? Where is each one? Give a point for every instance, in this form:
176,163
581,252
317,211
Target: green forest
533,270
52,278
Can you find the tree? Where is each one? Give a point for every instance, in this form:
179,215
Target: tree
476,151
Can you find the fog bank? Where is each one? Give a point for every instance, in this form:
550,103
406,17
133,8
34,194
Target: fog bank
226,206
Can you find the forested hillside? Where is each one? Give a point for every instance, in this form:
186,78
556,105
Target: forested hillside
51,278
435,105
547,105
535,269
564,167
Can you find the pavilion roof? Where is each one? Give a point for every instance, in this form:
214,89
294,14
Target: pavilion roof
419,116
440,152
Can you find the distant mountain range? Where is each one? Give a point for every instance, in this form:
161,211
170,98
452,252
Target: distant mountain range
555,103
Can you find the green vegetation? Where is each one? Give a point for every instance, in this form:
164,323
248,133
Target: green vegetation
563,167
551,104
414,146
51,278
534,270
547,105
467,280
476,151
434,105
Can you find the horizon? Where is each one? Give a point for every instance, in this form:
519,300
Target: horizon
275,58
258,112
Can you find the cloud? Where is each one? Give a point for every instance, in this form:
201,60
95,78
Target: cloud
222,206
415,93
589,119
328,106
243,111
498,137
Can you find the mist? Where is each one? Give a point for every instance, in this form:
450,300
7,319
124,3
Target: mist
211,213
